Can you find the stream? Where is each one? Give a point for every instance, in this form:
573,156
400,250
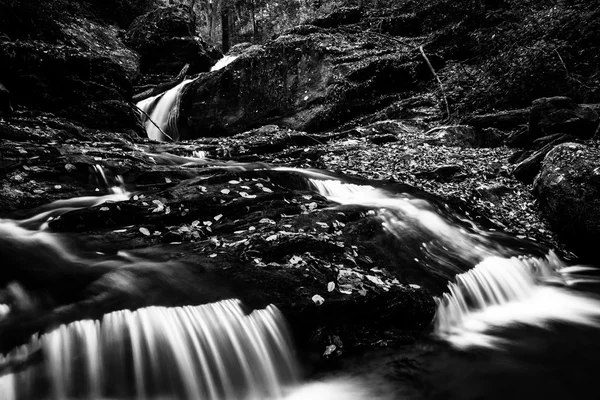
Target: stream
514,321
507,325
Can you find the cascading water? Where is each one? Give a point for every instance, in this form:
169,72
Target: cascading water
163,109
500,292
213,351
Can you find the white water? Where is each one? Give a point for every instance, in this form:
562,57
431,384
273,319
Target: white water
497,292
212,351
502,292
113,183
163,108
223,62
164,112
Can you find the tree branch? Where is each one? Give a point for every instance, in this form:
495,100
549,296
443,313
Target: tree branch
437,78
153,123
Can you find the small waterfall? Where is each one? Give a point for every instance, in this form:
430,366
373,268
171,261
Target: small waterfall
435,240
163,110
223,62
113,183
500,292
212,351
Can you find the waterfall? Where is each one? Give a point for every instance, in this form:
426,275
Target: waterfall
223,62
212,351
112,183
501,292
426,237
163,110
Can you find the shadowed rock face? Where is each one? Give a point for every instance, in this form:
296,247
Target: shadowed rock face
166,40
67,81
568,188
308,79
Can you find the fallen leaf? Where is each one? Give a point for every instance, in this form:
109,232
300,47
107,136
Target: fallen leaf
318,299
225,191
329,350
144,231
330,286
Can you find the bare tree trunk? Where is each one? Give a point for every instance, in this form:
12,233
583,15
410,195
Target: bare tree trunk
253,22
225,27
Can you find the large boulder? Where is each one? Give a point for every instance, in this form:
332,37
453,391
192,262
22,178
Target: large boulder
308,79
166,39
550,115
68,81
568,189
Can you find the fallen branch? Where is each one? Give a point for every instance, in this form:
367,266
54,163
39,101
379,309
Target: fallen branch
437,78
150,119
163,87
562,62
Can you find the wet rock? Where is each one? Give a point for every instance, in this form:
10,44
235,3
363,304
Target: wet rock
166,39
568,189
552,115
304,80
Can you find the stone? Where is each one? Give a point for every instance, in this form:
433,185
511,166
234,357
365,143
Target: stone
341,16
5,105
68,81
465,136
568,190
528,165
550,115
503,120
166,40
307,80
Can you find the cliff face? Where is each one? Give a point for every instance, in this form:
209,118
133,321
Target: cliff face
69,63
308,79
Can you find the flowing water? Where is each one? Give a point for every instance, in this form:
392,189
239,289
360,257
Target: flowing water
212,351
513,320
161,112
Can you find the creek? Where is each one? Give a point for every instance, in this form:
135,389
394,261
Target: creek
513,320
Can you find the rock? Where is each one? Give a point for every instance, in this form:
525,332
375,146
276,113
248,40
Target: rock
550,115
166,39
528,166
405,24
68,81
306,82
464,135
441,173
568,189
493,192
161,23
5,105
503,120
104,41
341,16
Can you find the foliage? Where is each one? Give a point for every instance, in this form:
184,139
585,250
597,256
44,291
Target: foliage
511,52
